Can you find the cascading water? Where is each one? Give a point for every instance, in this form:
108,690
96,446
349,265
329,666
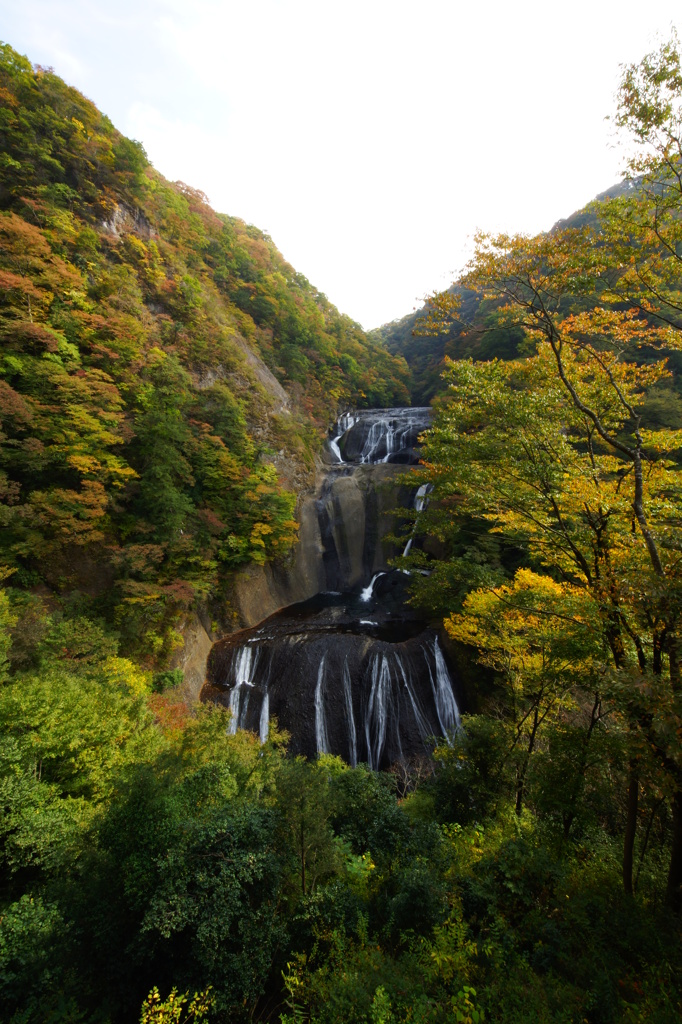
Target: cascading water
354,671
321,740
377,690
368,592
377,710
235,695
419,715
242,675
420,503
350,717
264,724
343,424
371,436
244,666
446,705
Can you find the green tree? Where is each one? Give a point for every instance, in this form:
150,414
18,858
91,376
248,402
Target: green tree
553,452
305,806
161,438
539,636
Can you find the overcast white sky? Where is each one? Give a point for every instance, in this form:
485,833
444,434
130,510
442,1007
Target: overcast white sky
368,139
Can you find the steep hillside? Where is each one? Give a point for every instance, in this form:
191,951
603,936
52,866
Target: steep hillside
165,375
424,353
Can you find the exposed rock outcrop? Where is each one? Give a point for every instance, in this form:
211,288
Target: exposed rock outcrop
348,674
344,530
124,218
193,655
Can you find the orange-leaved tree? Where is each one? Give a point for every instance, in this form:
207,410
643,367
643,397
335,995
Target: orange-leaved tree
557,451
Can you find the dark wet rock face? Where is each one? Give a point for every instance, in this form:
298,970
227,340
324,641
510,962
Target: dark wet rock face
349,674
357,508
371,436
353,670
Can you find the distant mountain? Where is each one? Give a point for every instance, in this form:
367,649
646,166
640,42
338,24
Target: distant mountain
424,355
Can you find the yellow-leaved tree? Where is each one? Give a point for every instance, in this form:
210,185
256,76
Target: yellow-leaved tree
559,453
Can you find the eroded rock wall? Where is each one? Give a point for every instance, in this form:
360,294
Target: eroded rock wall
346,521
345,524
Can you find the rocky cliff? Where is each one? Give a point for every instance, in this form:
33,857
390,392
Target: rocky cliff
332,651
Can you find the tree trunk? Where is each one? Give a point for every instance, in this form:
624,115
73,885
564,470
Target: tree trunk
645,844
521,777
582,767
630,828
673,896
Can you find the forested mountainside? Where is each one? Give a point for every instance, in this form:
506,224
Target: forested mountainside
425,340
165,382
161,365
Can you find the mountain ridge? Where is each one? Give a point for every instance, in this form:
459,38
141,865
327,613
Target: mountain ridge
166,380
425,354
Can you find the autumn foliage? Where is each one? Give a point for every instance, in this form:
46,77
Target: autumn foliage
140,432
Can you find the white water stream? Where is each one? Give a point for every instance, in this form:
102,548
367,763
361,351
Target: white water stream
446,705
350,717
321,738
376,718
420,503
264,724
368,593
343,424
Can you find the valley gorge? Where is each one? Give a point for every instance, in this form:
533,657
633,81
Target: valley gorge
372,721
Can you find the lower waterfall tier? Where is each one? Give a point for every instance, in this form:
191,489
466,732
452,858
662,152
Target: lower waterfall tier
346,674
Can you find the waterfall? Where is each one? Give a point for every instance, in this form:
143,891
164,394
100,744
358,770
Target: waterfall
242,671
352,735
234,710
378,435
368,593
397,439
420,503
362,662
321,738
239,703
374,699
343,424
425,730
334,445
264,724
377,710
245,662
446,704
386,433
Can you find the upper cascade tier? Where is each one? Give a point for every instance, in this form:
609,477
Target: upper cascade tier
379,435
